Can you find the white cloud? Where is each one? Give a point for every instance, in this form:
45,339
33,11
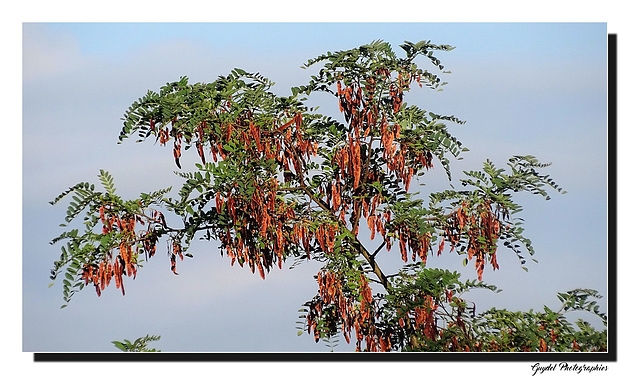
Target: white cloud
48,53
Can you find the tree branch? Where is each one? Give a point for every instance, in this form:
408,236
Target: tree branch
378,249
359,246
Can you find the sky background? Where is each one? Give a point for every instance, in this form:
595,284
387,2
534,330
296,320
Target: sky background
522,88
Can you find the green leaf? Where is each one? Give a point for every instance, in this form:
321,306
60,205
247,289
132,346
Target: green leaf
107,182
119,345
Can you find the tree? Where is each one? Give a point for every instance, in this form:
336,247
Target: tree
137,346
277,181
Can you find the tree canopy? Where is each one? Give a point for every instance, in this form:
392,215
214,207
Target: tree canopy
278,181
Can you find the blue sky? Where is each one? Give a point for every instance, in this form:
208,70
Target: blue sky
522,88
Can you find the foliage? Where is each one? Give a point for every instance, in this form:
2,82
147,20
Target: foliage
109,247
137,346
278,182
425,311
